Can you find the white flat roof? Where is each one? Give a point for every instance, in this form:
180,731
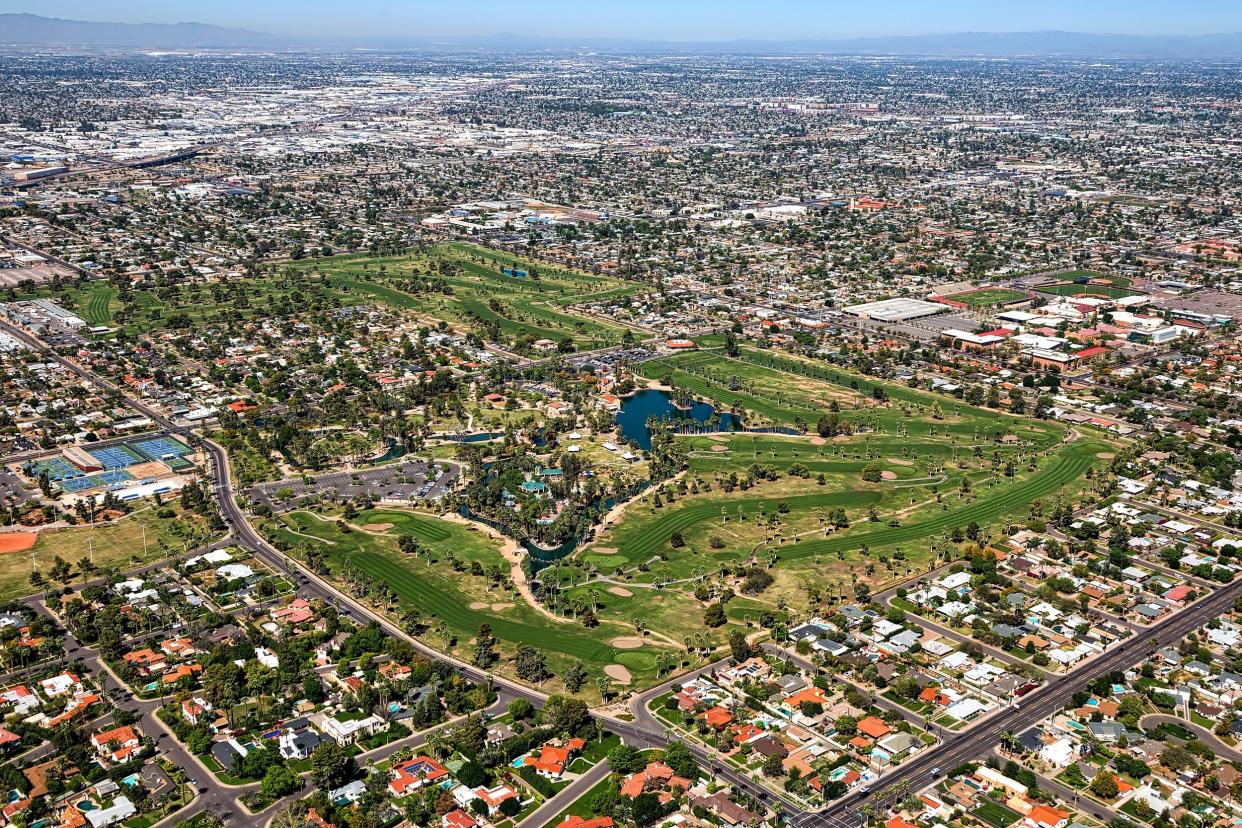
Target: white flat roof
896,310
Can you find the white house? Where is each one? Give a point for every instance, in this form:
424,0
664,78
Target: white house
1060,753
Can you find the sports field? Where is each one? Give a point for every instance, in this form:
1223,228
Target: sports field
117,545
1095,291
988,297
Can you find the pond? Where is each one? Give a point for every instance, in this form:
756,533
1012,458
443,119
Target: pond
632,420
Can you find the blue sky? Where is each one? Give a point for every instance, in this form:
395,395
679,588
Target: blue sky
662,19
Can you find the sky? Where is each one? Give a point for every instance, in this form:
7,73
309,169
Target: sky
688,20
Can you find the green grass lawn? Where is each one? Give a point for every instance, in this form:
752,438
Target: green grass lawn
427,583
480,293
996,814
1076,289
118,544
987,297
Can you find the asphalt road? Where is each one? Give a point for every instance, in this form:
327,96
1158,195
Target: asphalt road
1041,703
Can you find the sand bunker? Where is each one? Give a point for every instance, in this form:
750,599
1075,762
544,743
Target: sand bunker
817,440
377,527
898,461
888,475
621,592
720,448
17,541
841,438
478,605
499,607
616,672
719,438
604,550
1106,455
629,643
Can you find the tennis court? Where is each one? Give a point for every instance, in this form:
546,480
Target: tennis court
115,457
57,469
106,478
160,448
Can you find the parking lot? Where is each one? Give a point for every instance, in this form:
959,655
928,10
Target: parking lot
409,480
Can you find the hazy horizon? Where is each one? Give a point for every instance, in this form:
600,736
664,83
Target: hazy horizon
681,20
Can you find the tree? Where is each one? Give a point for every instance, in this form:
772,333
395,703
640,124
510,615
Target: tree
1104,785
512,806
564,714
484,647
739,646
575,677
678,757
774,765
331,766
532,665
279,782
520,709
714,616
625,759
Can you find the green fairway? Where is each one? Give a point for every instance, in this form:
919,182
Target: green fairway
639,539
462,601
464,284
1056,474
775,388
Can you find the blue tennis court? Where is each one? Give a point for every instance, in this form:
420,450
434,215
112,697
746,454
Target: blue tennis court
115,457
56,468
106,478
160,448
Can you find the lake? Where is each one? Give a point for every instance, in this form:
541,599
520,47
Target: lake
632,420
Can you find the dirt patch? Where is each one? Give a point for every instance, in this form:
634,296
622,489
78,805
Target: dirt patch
888,475
627,643
17,541
720,448
817,440
900,461
478,605
499,607
377,527
1106,455
621,592
603,550
618,673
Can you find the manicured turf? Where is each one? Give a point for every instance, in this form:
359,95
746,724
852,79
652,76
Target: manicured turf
783,389
641,542
987,297
1100,291
1056,473
440,593
996,814
478,292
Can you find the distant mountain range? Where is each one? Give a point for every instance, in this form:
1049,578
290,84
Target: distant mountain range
33,31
